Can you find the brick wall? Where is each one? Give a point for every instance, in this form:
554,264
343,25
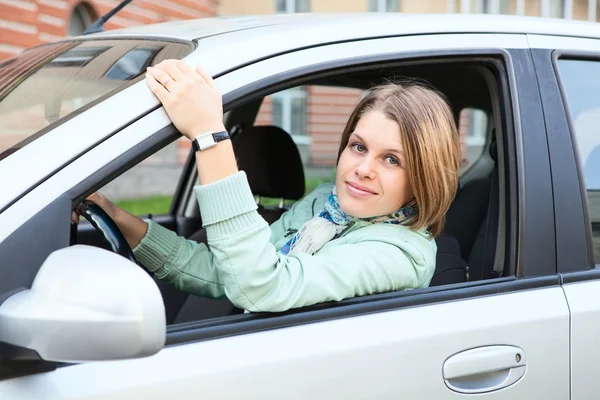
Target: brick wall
27,23
328,111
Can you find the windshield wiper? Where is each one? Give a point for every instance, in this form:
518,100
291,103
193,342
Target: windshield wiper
97,25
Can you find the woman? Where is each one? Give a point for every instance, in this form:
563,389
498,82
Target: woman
373,231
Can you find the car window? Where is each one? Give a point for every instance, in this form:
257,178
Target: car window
316,115
42,87
148,188
582,93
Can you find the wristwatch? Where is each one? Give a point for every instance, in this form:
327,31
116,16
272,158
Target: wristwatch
207,140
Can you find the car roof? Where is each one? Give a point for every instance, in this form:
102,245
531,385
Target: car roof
351,26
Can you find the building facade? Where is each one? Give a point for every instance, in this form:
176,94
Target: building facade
27,23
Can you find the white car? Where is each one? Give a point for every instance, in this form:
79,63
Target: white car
515,315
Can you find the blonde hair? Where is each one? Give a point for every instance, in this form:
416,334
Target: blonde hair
431,145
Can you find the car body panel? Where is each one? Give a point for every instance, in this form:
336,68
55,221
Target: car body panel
585,330
399,353
396,354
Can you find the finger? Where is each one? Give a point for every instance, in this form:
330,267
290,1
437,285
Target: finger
74,218
205,76
158,89
161,76
185,68
173,71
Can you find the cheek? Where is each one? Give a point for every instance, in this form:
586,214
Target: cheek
397,188
343,165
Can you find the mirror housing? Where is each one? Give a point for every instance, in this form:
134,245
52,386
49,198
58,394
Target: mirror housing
86,304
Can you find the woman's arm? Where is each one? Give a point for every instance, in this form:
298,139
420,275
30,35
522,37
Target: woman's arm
195,106
188,265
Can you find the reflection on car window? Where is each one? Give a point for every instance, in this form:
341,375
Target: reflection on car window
582,92
76,57
132,64
42,87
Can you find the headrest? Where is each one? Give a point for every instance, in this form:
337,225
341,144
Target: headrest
272,162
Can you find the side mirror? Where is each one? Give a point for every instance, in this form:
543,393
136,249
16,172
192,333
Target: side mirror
86,304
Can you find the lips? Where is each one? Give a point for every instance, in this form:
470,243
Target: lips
359,190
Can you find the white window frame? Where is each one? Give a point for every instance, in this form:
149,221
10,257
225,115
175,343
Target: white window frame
286,97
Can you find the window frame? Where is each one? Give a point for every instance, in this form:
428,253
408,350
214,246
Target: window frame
510,102
576,249
183,334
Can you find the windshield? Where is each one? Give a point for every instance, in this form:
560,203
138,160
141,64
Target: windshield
45,86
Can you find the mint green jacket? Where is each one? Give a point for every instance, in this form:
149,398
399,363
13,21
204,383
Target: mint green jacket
242,261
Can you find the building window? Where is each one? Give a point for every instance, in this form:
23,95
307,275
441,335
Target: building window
80,19
384,5
557,9
289,112
292,6
494,6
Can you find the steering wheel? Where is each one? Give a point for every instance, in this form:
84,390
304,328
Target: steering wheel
109,229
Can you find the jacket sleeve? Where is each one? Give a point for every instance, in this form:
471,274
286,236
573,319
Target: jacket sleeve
258,278
190,266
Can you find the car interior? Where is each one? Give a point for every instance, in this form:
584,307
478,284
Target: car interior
467,249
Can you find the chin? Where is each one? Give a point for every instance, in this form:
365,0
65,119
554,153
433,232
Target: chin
353,207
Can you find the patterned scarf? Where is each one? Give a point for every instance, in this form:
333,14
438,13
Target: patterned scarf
331,222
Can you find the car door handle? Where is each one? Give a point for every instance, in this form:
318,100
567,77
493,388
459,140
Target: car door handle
484,369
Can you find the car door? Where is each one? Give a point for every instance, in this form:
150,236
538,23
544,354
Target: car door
504,338
569,68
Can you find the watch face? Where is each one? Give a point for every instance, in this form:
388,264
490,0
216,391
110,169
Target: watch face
205,141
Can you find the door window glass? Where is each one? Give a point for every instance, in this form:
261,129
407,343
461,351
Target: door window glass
148,187
582,92
315,117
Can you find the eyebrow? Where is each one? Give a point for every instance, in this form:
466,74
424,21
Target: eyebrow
400,152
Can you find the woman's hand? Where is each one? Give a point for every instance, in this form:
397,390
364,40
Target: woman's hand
189,97
195,106
132,227
108,206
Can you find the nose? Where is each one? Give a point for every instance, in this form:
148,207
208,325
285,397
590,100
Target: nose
365,169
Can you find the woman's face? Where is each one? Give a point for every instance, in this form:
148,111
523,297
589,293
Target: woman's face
371,175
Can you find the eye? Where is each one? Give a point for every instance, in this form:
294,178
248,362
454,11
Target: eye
392,160
359,147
